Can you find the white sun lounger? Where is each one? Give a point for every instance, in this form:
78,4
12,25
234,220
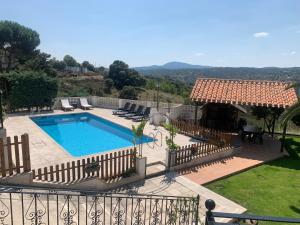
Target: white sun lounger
84,103
65,105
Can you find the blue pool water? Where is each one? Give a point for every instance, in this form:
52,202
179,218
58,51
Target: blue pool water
83,133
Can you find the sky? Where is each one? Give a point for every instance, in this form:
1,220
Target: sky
146,32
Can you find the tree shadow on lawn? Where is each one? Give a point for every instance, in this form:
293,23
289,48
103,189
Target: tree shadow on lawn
287,162
293,147
295,209
292,161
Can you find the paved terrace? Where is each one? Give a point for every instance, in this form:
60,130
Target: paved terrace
45,151
249,155
174,185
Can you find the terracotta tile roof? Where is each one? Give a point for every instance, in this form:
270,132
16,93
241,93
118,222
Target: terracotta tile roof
244,92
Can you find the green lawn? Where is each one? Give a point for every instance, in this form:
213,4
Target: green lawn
270,189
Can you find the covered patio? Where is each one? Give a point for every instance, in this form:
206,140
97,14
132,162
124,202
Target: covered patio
222,101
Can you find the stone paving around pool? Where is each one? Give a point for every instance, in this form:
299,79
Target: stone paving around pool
174,185
45,151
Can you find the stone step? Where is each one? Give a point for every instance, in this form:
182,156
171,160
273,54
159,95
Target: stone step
155,169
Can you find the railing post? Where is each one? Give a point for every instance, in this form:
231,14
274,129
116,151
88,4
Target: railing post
209,218
26,153
197,209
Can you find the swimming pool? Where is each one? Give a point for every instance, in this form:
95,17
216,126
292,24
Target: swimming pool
84,133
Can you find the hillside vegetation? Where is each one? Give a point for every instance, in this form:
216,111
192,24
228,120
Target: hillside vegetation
169,91
190,75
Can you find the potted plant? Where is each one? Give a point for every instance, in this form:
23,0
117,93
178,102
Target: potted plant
170,140
138,133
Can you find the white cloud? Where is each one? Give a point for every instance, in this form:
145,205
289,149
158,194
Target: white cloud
261,34
289,53
199,54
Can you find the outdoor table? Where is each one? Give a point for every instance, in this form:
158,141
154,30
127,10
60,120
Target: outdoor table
253,132
251,129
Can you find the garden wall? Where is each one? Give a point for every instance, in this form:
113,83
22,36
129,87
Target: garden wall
175,111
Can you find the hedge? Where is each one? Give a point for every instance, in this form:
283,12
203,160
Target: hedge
28,89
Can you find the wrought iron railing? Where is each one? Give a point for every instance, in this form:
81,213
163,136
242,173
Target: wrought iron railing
23,206
238,219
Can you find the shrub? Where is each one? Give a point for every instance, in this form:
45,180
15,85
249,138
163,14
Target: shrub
128,92
28,89
122,76
109,83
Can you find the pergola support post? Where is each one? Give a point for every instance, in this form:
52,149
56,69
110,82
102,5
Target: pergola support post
196,113
283,137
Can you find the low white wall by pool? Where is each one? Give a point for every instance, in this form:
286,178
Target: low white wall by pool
175,111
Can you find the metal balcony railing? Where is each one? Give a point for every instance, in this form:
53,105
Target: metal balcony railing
238,219
20,206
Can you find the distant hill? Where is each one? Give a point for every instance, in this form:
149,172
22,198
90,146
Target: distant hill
171,66
189,73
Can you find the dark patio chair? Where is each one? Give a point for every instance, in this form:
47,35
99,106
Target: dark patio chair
121,110
144,116
138,112
130,110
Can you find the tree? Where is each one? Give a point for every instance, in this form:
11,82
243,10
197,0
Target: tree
101,69
135,79
170,140
89,66
70,61
57,64
122,76
17,42
293,112
39,61
109,83
128,92
296,120
117,73
138,133
269,115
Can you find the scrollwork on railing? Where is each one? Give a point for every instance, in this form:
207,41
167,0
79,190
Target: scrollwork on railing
171,213
156,212
4,212
183,212
138,213
118,213
68,211
36,210
64,207
96,211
